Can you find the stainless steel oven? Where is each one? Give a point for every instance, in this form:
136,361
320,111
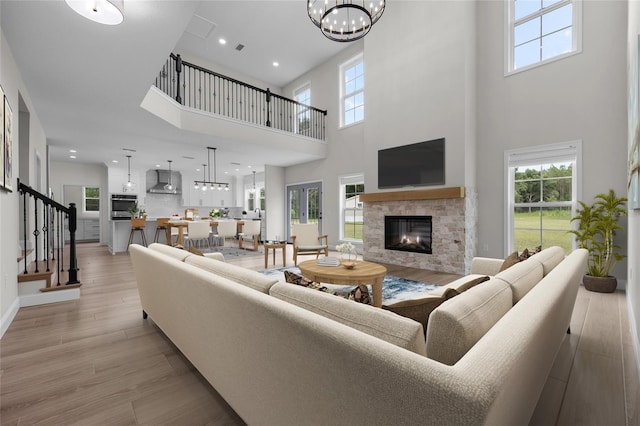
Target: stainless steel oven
120,205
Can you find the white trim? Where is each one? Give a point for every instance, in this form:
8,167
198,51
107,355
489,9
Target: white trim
8,317
43,298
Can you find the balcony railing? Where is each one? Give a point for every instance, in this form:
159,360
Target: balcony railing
202,89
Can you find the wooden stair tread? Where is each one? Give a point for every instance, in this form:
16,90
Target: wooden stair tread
51,276
23,254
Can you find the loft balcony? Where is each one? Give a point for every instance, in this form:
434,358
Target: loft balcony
199,100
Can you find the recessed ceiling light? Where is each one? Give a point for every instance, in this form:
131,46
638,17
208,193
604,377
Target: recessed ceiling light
157,165
222,41
114,161
276,64
72,150
72,156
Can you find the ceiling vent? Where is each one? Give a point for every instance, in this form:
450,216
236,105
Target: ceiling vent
239,47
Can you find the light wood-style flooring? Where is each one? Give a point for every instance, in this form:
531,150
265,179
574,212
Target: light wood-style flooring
95,361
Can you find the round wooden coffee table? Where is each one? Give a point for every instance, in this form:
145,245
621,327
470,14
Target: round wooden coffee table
363,273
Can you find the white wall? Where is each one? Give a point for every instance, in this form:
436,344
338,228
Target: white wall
9,202
633,249
419,85
579,97
65,173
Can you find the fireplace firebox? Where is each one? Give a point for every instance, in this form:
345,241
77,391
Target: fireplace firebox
408,233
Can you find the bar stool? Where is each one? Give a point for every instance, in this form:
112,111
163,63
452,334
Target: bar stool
161,227
137,224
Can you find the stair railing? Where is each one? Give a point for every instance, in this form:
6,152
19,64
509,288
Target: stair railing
206,90
54,216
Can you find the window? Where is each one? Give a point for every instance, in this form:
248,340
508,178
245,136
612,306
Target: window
91,199
352,91
543,193
303,115
352,212
540,31
252,199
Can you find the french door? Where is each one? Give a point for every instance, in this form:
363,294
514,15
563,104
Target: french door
304,205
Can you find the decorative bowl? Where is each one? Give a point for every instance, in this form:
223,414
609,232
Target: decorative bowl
348,265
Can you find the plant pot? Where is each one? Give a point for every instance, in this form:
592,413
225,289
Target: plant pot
600,284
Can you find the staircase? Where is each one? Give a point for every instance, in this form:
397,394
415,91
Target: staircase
48,265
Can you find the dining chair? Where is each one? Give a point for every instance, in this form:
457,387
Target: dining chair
197,231
227,229
307,240
250,234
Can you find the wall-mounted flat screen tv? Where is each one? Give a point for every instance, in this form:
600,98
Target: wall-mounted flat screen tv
418,164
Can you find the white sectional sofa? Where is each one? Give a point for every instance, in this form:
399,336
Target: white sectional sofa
281,354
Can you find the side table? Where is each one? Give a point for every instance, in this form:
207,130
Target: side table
274,246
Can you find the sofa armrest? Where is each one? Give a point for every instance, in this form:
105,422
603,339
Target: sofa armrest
486,265
216,256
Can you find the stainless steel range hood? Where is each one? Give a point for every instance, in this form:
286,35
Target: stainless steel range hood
158,179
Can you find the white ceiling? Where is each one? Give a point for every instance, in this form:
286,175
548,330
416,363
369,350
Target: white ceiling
86,80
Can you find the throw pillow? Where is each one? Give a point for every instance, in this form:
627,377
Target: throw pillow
527,254
511,260
195,251
358,294
296,279
420,309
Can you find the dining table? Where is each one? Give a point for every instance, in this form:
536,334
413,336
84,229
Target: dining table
180,224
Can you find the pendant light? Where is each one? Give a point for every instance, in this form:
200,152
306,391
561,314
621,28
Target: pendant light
169,186
213,184
253,190
129,184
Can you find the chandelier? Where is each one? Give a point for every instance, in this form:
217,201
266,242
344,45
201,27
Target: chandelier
129,184
210,184
345,20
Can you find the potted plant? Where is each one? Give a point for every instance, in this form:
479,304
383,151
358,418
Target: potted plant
214,213
596,230
133,211
348,254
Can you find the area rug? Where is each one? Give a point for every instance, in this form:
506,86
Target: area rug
394,289
232,252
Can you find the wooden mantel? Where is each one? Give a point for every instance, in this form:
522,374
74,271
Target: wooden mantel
422,194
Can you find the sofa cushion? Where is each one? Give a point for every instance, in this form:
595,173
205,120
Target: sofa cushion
420,309
167,250
247,277
549,258
456,325
461,284
522,277
387,326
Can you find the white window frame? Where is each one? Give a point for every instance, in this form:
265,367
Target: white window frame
84,200
346,65
301,110
542,154
510,23
351,179
258,197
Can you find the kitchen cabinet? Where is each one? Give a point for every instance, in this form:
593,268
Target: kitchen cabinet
87,230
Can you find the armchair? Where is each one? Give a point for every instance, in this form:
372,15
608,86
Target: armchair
306,240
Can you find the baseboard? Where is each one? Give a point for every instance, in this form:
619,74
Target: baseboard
634,333
49,297
8,317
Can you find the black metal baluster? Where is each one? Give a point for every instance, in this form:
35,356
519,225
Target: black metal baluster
45,229
36,232
53,232
268,100
178,70
24,224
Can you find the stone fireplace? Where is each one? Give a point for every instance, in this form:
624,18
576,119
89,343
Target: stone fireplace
453,228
